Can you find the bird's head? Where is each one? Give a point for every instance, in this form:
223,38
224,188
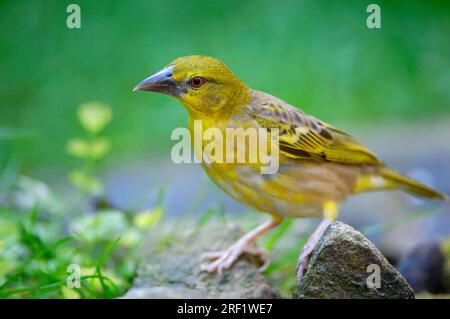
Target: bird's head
205,85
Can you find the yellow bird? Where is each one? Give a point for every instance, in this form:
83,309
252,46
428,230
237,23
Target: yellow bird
319,165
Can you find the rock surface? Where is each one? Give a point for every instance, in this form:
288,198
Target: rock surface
172,270
339,269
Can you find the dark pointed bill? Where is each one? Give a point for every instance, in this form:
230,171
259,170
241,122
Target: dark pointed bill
161,82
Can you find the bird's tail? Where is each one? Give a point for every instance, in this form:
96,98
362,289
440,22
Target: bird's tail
395,180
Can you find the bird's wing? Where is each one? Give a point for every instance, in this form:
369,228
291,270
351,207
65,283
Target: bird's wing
306,137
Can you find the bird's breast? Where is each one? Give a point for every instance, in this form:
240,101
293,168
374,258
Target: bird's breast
297,188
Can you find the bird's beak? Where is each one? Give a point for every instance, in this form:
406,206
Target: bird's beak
161,82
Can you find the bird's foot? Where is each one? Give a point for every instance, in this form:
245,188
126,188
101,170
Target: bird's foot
225,259
303,261
308,249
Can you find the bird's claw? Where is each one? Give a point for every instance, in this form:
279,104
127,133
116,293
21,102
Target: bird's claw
303,261
225,259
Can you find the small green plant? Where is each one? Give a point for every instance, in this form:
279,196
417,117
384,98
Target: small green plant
41,237
38,246
36,255
94,117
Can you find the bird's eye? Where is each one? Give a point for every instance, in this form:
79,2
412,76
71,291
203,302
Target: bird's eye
197,82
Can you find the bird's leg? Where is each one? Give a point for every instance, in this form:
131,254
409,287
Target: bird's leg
224,259
330,214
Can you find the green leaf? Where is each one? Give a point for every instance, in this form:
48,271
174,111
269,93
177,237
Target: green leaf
94,116
69,293
131,237
99,147
53,285
78,147
95,149
85,182
108,251
100,227
148,219
206,216
102,281
59,242
278,233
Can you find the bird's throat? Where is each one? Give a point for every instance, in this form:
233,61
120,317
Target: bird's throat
218,107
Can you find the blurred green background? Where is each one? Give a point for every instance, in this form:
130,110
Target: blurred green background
318,55
389,86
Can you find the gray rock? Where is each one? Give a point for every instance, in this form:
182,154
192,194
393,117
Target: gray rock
172,270
339,269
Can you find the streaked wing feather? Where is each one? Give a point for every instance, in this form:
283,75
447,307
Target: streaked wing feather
304,136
